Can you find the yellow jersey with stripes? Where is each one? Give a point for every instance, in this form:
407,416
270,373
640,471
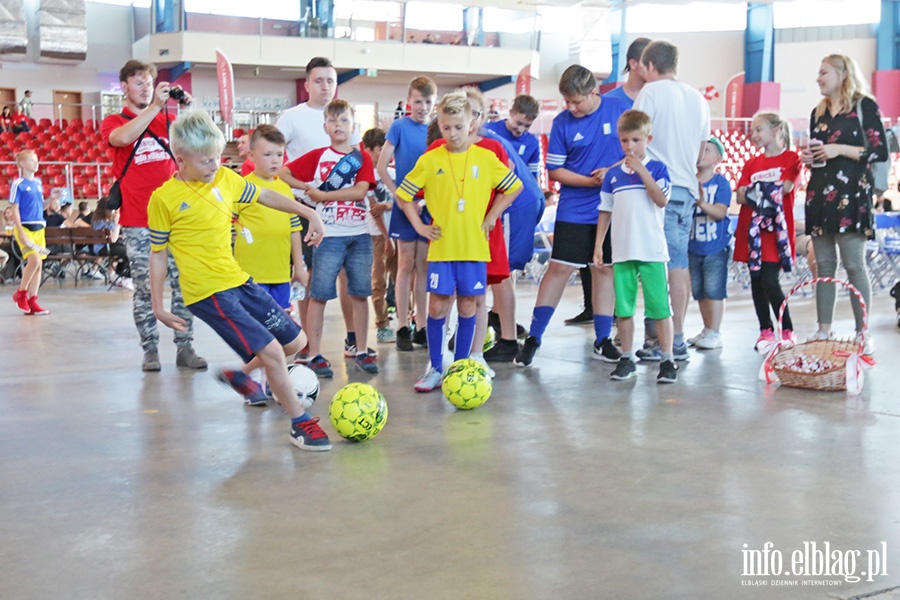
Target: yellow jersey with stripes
268,258
192,220
458,188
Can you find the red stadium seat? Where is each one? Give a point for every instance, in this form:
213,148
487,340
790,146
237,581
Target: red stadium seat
4,190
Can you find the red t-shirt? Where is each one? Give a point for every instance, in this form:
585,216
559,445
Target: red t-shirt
498,268
152,166
784,167
247,167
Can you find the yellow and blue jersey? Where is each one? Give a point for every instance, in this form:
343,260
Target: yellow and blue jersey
192,220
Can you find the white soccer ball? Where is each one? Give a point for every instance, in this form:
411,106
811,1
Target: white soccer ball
305,382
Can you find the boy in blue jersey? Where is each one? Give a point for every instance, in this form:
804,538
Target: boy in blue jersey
405,144
583,146
524,111
26,199
710,246
635,71
635,194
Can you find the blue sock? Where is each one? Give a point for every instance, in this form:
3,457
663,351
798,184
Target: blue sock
351,338
304,417
465,333
603,326
435,331
679,339
540,318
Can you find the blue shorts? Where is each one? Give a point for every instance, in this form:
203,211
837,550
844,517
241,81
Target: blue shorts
709,275
463,278
353,253
518,227
247,318
679,219
280,292
401,229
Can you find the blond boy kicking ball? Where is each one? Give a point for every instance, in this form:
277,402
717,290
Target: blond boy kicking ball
190,216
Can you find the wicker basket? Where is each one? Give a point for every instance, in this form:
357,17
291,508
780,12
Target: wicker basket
837,352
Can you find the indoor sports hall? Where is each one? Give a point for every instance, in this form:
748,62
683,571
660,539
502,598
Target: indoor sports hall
120,483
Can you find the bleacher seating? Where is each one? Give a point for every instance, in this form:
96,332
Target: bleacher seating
76,143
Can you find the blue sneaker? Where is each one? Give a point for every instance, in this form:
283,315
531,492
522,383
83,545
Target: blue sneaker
253,393
680,353
307,435
320,366
366,362
649,352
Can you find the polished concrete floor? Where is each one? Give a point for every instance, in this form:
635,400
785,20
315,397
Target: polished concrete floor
116,484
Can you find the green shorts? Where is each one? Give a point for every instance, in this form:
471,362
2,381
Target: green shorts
654,282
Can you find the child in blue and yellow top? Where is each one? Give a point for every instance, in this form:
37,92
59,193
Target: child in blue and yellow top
190,216
710,245
458,179
634,195
276,236
26,198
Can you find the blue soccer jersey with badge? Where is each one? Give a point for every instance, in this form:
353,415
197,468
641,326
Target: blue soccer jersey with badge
408,138
27,193
619,94
582,145
526,146
709,236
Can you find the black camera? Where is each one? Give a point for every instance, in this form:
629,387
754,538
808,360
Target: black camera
176,93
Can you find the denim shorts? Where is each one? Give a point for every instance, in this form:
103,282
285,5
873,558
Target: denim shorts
353,253
678,223
247,318
709,275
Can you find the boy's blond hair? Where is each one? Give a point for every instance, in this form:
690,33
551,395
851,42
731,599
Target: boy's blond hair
455,103
424,85
23,153
194,132
635,120
476,95
339,106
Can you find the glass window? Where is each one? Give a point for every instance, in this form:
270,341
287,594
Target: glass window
428,16
508,21
135,3
285,10
693,16
824,13
366,10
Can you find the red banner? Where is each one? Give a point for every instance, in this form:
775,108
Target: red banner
523,81
734,96
225,76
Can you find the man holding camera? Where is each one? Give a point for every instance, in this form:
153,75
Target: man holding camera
142,161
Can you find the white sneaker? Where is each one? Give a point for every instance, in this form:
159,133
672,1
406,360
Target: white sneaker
693,341
709,341
820,336
430,381
479,358
126,283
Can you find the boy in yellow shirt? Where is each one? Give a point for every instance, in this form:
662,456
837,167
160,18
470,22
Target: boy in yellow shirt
190,216
275,236
458,179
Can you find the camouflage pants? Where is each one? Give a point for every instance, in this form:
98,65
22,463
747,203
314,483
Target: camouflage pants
137,246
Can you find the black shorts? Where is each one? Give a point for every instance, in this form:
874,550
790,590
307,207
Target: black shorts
573,244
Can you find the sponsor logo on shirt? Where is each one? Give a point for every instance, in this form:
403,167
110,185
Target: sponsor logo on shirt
184,206
773,174
578,137
440,171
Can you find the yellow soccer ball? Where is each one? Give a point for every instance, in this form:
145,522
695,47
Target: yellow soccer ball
358,412
466,384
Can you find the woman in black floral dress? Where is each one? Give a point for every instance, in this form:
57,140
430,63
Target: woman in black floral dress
839,194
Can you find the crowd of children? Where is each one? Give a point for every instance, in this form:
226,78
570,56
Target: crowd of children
445,221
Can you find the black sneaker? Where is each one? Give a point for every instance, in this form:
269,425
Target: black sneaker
503,351
585,316
606,351
404,340
494,321
526,355
668,372
624,370
521,332
420,337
